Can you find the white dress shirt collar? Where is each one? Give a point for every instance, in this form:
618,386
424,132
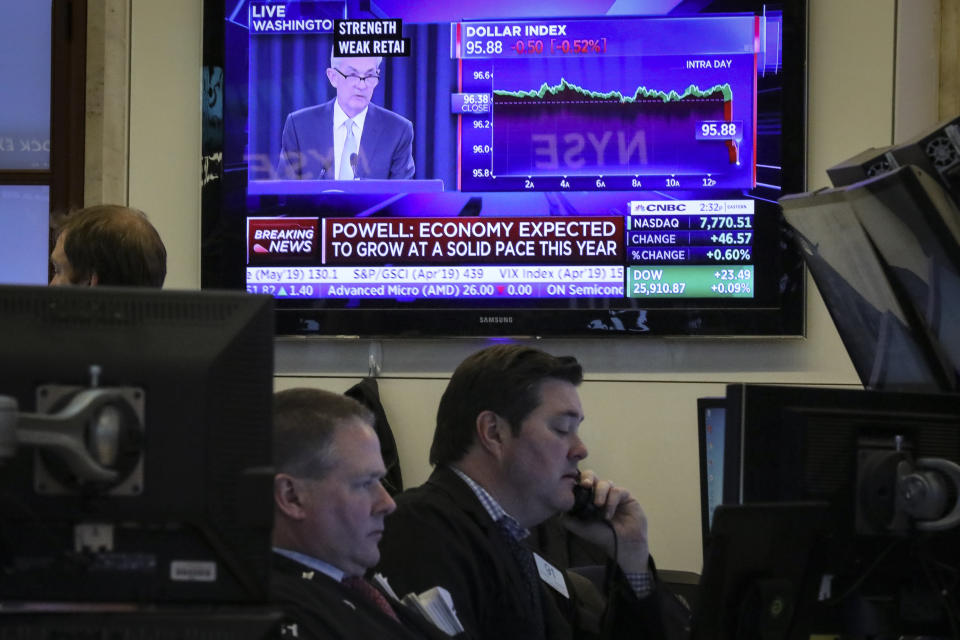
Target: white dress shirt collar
311,562
339,117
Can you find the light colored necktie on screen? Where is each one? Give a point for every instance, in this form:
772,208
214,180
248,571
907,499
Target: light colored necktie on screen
349,148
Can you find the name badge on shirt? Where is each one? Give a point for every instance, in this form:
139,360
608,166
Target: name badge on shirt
551,575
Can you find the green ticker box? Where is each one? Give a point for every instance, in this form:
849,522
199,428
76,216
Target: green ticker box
691,281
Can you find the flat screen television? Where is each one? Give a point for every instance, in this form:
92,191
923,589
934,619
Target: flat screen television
560,168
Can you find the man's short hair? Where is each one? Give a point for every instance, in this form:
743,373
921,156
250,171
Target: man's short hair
117,243
304,424
334,58
504,379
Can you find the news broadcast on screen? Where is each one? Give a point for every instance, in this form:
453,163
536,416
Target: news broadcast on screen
620,158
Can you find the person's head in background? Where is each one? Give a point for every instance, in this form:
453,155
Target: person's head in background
509,419
108,245
506,379
354,79
328,500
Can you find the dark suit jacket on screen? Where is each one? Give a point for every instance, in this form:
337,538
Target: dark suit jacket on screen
386,145
317,607
440,534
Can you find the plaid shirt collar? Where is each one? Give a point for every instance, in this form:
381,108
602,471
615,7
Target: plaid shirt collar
642,583
493,507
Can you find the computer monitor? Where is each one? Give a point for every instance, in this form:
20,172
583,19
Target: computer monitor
711,421
886,464
915,227
755,572
886,340
935,151
159,490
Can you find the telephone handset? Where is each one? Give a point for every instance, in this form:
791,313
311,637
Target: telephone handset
583,506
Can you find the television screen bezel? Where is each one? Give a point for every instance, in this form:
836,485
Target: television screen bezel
223,241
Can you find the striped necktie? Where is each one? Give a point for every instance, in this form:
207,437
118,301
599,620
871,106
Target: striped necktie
366,591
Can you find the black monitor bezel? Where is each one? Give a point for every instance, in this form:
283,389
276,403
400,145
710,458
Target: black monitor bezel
753,407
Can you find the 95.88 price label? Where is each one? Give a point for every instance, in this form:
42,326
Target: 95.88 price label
690,281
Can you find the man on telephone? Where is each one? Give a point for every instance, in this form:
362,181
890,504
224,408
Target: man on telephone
506,451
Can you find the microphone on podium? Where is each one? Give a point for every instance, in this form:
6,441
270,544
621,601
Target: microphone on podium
354,161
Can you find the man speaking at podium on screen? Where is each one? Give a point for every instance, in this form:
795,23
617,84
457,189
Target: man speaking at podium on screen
347,137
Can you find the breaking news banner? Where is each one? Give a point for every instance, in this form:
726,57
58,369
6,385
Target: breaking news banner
370,38
280,240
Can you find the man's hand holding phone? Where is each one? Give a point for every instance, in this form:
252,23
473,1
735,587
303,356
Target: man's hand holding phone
624,515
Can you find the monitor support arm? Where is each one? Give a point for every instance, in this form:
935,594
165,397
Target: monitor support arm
922,493
84,434
897,493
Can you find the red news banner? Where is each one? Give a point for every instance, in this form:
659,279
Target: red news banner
543,240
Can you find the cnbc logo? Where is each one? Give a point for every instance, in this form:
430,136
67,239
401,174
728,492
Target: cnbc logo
269,239
657,207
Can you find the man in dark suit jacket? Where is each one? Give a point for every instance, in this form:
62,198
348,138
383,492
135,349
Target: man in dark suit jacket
347,137
329,510
506,450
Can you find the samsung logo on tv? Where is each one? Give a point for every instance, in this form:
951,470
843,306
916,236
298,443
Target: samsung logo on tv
496,319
